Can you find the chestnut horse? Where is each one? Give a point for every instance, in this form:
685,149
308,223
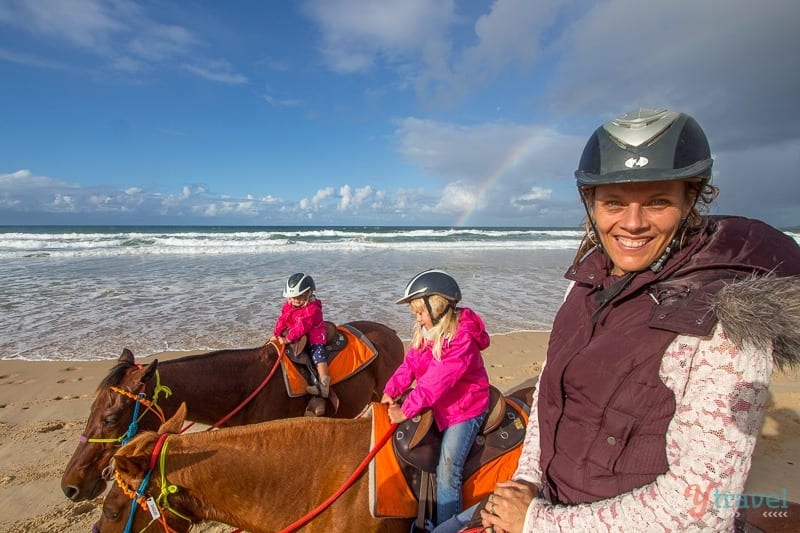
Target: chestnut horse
265,477
260,477
212,385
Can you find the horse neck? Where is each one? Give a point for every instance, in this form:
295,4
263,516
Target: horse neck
261,476
212,384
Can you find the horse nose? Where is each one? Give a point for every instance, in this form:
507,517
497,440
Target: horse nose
71,492
95,529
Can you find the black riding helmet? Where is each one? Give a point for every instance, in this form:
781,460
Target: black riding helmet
645,145
298,284
429,282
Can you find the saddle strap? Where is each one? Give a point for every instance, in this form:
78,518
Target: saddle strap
427,500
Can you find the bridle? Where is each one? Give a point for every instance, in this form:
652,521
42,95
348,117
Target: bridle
156,507
139,400
151,405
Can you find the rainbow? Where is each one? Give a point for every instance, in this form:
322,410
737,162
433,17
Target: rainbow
516,153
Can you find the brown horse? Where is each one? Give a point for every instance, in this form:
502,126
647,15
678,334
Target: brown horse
212,385
260,477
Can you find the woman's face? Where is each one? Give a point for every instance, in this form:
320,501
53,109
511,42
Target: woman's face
636,221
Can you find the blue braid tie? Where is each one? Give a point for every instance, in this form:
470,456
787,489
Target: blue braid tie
134,426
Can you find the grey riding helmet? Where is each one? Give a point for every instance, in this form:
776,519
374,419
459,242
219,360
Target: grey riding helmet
431,282
645,145
297,284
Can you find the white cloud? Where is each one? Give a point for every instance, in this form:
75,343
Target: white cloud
321,195
726,62
357,33
286,102
536,197
350,199
457,198
219,71
87,24
121,32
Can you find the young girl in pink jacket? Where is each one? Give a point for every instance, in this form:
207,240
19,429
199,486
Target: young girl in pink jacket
445,360
301,314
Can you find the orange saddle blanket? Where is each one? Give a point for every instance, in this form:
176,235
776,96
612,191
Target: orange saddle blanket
390,495
354,357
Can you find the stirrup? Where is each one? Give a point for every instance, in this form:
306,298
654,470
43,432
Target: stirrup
321,388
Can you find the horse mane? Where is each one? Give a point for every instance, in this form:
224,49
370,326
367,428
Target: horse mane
114,376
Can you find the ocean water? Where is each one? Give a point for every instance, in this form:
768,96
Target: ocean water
85,293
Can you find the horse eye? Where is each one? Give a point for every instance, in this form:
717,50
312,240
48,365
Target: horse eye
110,421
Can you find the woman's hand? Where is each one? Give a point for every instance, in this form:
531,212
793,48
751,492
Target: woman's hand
396,415
507,506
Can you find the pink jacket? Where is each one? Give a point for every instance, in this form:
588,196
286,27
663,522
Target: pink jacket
457,387
295,322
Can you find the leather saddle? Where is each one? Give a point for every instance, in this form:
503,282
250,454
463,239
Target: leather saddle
335,342
417,442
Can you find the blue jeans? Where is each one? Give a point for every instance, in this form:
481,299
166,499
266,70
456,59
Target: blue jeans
456,443
456,523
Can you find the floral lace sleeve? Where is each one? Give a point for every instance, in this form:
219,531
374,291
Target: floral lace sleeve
528,468
721,392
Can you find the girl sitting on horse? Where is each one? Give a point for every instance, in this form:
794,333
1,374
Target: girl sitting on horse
445,360
301,314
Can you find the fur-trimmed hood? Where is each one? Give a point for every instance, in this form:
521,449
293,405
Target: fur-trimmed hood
765,312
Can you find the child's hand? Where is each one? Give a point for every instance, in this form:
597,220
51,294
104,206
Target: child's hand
388,400
396,415
273,339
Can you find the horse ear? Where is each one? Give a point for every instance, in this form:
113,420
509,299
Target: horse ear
135,456
126,357
149,371
174,424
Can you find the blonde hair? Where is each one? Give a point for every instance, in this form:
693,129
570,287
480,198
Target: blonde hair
444,330
703,191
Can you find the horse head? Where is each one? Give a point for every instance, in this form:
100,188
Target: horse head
131,466
109,420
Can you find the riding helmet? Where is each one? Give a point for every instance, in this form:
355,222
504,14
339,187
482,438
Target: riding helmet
431,282
298,284
645,145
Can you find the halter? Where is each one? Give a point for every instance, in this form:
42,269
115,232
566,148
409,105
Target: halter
154,507
139,399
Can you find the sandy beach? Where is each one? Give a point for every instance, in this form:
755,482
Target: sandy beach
43,408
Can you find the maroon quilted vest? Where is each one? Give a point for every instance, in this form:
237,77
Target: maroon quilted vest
603,409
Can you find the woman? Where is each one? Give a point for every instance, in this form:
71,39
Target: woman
653,393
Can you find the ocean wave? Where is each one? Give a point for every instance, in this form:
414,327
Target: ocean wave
183,241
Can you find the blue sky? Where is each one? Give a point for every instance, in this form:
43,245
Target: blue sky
406,112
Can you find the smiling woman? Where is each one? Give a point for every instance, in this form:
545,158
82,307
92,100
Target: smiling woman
660,357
